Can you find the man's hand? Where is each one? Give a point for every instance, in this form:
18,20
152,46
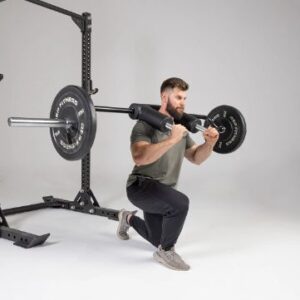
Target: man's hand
177,133
211,135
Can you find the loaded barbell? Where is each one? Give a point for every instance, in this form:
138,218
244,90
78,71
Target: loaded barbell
228,120
73,122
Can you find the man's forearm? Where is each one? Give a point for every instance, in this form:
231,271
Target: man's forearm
203,152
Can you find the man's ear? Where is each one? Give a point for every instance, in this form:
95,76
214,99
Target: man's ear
164,97
164,100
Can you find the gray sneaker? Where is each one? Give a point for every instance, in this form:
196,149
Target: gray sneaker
123,225
170,259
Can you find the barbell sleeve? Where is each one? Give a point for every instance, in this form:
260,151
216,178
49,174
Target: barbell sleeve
38,122
169,126
198,127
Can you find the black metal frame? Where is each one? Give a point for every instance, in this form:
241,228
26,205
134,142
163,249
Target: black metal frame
85,201
20,238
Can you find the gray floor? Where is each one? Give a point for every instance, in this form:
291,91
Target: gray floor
241,236
237,249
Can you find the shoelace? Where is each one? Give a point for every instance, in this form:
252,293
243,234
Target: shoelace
170,253
176,255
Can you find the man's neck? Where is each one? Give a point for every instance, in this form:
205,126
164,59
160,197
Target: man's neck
164,112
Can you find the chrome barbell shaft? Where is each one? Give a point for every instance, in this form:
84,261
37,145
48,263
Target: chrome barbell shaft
38,122
199,127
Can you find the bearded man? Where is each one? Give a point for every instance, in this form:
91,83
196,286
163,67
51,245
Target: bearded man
151,186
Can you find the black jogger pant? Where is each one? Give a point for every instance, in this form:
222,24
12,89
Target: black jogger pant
164,208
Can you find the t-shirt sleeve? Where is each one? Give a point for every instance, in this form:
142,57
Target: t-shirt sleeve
141,132
189,142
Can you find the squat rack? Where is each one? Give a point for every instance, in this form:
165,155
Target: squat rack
85,201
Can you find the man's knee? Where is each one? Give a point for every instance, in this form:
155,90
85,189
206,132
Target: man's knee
182,204
185,203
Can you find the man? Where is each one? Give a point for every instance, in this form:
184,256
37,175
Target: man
151,185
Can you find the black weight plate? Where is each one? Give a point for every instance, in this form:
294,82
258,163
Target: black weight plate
73,103
235,128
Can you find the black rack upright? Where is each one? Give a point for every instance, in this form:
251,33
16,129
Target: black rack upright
85,201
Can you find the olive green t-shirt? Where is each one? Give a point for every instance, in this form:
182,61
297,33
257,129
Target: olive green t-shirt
167,168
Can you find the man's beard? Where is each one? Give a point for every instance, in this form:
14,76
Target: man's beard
173,112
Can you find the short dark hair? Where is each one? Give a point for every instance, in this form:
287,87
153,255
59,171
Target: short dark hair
172,83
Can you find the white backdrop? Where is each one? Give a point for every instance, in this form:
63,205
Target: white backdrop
241,53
